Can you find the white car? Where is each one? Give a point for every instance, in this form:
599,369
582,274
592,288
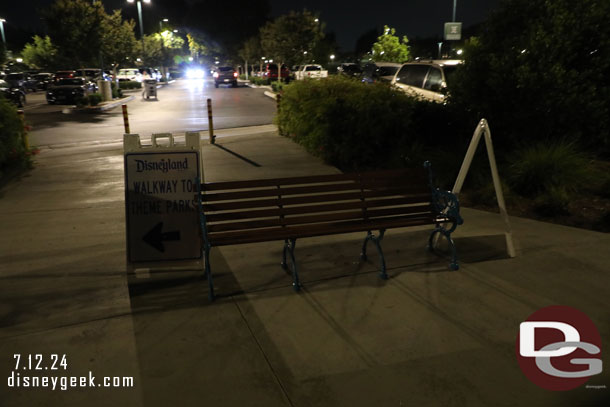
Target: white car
310,71
426,79
129,74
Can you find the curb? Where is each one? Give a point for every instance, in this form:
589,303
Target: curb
102,108
270,94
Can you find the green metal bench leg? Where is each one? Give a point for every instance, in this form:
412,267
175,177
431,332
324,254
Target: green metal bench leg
453,265
377,242
208,274
289,246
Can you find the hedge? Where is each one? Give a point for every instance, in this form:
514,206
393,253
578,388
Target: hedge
13,153
355,126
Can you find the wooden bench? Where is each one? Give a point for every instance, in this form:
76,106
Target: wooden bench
287,209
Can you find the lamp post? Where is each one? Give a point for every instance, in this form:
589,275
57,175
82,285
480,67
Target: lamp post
139,4
2,20
454,7
163,69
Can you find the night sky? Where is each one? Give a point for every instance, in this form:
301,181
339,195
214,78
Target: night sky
347,19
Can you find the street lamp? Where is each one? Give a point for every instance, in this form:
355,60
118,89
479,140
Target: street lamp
139,3
2,20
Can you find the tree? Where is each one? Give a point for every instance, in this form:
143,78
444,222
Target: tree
289,38
40,54
251,51
389,48
539,71
160,48
76,29
118,39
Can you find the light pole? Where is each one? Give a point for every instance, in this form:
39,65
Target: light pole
163,69
2,20
454,7
139,3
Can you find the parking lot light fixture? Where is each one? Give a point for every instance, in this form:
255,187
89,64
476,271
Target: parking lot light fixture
139,4
2,21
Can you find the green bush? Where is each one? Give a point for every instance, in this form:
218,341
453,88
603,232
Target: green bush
557,169
116,91
538,71
347,123
81,101
94,99
257,80
130,85
277,87
13,153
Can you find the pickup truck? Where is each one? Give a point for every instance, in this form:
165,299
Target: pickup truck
310,71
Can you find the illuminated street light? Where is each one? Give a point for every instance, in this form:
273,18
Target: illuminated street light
139,3
2,21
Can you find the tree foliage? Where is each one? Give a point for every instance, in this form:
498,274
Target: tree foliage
389,48
540,70
289,38
40,54
251,51
76,29
118,39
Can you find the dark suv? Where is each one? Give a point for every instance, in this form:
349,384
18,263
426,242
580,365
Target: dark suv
21,80
225,74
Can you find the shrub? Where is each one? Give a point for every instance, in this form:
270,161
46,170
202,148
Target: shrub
13,153
130,85
277,87
81,101
94,99
349,124
540,69
557,169
116,91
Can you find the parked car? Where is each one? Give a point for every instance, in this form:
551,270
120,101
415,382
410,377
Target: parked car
129,74
21,80
313,71
91,74
225,74
63,75
69,90
379,72
15,95
426,79
43,80
349,69
270,72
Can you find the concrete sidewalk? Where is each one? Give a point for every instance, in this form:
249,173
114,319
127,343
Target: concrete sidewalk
425,337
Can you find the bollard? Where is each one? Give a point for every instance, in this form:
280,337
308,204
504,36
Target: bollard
26,142
126,120
211,123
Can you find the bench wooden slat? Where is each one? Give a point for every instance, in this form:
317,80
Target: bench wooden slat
307,190
319,218
409,174
296,210
261,235
307,199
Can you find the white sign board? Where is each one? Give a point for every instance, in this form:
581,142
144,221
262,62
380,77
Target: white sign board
453,31
161,206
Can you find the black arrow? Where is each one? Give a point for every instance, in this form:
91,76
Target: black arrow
155,237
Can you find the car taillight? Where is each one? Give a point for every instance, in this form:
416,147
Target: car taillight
235,74
215,75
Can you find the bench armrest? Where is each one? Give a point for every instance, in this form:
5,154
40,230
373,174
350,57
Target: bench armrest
444,202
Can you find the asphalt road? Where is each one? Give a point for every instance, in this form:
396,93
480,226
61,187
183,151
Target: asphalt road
181,106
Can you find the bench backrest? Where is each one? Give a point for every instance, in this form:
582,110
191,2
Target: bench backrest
266,209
